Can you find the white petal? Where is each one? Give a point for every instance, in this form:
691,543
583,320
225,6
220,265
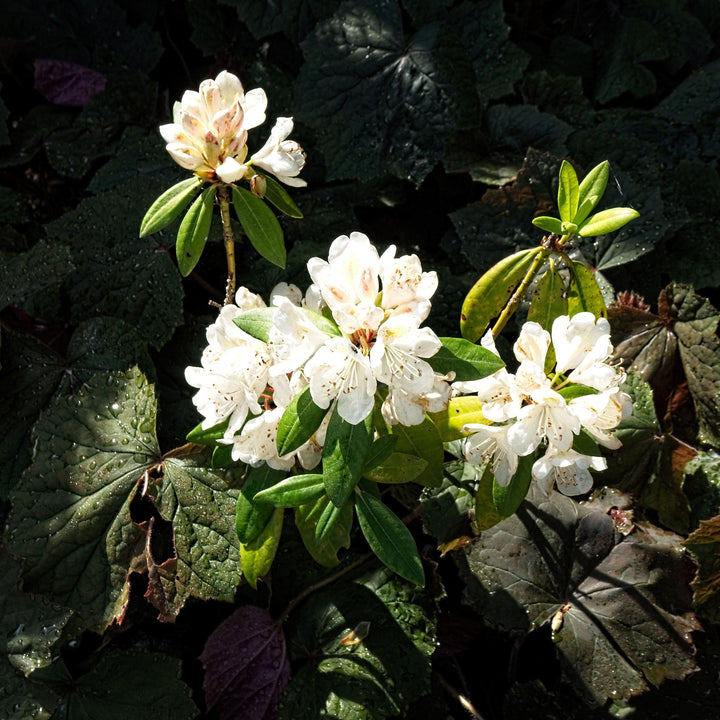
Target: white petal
231,170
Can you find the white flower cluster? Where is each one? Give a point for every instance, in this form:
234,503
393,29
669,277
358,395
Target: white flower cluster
377,303
526,408
209,134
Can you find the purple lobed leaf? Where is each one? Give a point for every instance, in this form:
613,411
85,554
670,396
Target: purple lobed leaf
67,83
246,666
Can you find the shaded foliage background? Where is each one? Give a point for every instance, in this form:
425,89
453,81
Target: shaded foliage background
437,126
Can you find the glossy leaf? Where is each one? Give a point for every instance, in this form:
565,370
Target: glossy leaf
628,620
193,231
507,498
278,196
398,468
492,292
446,509
208,436
388,537
568,192
169,205
260,225
337,536
253,515
344,452
246,666
257,322
301,419
256,557
591,190
329,518
422,441
460,411
380,450
293,491
486,513
549,224
607,221
548,301
584,294
572,391
467,360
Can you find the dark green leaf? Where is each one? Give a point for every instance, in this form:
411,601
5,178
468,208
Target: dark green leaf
277,195
388,537
467,360
344,452
301,419
373,679
379,451
694,98
329,519
585,444
293,491
507,498
252,516
422,441
256,557
518,127
260,225
337,536
398,468
193,232
486,512
627,620
208,436
169,205
568,192
221,456
257,322
492,292
446,509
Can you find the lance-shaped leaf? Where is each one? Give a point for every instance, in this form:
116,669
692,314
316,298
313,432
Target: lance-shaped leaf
460,411
375,678
277,195
209,436
568,193
70,517
398,468
467,360
302,417
330,516
293,491
584,294
592,188
169,205
338,536
252,515
379,451
628,622
507,498
422,441
246,666
606,221
344,452
549,224
548,301
193,232
388,537
257,556
257,322
260,225
492,291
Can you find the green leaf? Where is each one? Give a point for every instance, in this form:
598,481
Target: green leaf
568,192
467,360
460,411
193,231
486,513
492,292
507,498
260,225
585,444
329,518
252,516
549,224
322,323
337,536
379,451
388,537
169,205
446,509
422,441
344,452
257,322
293,491
555,553
277,195
607,221
374,679
208,436
584,294
548,301
256,557
576,390
221,456
301,419
91,450
591,190
398,468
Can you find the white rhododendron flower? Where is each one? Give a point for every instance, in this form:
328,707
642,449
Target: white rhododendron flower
208,134
530,413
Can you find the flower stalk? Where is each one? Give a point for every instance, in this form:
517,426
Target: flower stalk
223,195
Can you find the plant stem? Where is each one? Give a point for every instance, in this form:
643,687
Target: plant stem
517,296
223,194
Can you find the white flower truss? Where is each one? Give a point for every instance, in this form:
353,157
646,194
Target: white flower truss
375,338
208,134
528,409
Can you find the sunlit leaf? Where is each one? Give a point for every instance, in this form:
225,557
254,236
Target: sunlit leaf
422,441
256,557
301,419
253,515
507,498
169,205
193,231
568,192
584,294
257,322
460,411
467,360
278,196
260,225
591,190
293,491
338,536
398,468
607,221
